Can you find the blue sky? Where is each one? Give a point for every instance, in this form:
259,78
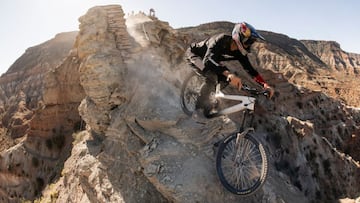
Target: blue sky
26,23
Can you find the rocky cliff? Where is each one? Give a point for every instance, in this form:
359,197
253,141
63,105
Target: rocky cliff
40,97
97,118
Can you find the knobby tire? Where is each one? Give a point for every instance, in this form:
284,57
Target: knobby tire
190,91
229,169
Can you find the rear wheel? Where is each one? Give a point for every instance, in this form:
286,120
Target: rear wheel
242,167
190,91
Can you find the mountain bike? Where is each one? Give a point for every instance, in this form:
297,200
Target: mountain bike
241,160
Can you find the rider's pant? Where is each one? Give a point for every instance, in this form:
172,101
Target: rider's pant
206,100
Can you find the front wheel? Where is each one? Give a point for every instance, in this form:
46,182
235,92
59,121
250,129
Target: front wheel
242,167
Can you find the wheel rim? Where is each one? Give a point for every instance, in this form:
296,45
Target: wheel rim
191,92
242,172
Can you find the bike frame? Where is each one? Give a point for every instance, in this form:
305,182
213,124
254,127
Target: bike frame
241,149
246,102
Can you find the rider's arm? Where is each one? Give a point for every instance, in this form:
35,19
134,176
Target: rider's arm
259,79
244,60
236,82
251,70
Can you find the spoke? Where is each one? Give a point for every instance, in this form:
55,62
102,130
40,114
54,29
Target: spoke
241,164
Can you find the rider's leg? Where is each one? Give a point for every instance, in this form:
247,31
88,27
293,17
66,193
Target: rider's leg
205,101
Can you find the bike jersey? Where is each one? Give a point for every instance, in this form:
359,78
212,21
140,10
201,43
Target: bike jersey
218,48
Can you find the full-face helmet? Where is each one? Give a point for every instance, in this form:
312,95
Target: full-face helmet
245,35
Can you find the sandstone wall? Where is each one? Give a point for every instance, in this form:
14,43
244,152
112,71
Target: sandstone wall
40,101
102,69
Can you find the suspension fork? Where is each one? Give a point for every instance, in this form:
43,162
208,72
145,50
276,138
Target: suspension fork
246,113
239,136
242,132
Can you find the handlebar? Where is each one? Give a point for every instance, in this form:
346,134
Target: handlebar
247,88
254,91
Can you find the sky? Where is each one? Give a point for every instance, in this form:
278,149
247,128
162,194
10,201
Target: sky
25,23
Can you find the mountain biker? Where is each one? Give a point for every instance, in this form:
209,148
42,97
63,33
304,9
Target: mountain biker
207,56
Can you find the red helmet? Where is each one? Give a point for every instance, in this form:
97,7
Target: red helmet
245,35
